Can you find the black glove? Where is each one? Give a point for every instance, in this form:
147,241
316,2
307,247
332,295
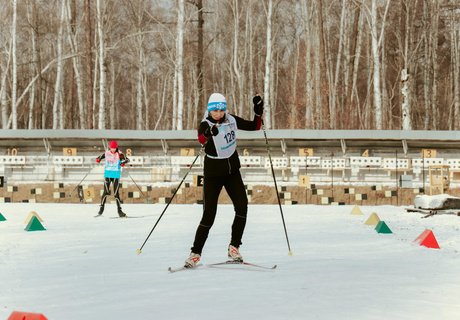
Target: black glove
211,131
258,105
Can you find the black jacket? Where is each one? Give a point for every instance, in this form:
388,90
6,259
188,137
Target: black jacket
222,167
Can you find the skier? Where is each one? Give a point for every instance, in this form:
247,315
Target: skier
114,160
217,132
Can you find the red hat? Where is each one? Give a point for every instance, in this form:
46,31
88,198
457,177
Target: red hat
113,144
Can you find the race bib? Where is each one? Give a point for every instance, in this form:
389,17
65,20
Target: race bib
225,141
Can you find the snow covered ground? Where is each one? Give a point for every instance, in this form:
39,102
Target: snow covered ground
87,268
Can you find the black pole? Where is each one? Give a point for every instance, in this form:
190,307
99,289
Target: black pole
143,195
332,176
397,181
139,251
423,171
276,186
76,187
306,174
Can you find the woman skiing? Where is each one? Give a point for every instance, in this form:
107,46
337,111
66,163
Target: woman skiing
217,132
114,160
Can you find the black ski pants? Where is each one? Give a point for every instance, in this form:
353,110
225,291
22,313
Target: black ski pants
116,186
212,187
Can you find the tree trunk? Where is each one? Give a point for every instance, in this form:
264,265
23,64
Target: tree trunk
293,96
57,103
146,96
455,43
356,52
434,56
180,63
162,104
338,64
235,60
405,76
89,67
250,39
199,64
309,102
72,38
3,100
139,91
426,70
324,85
268,58
15,66
30,19
102,63
377,94
112,113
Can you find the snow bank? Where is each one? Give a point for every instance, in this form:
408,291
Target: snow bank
440,201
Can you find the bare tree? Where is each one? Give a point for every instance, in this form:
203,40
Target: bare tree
455,48
322,72
74,46
376,70
200,57
3,94
337,75
434,63
89,65
102,62
14,89
57,104
180,63
268,71
30,19
309,101
323,64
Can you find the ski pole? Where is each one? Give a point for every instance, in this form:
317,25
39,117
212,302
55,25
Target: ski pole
276,186
143,195
76,187
139,251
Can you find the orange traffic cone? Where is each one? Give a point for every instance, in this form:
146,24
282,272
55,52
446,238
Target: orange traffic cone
427,239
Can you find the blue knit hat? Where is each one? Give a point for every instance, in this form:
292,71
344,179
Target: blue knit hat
217,102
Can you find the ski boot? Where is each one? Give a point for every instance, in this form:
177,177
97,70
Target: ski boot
234,254
192,260
121,213
101,210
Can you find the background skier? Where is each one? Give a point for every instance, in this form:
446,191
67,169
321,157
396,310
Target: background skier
114,160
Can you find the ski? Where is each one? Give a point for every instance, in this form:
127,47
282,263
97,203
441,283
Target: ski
242,263
183,268
128,217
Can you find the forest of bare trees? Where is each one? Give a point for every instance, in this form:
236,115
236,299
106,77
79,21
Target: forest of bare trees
151,65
